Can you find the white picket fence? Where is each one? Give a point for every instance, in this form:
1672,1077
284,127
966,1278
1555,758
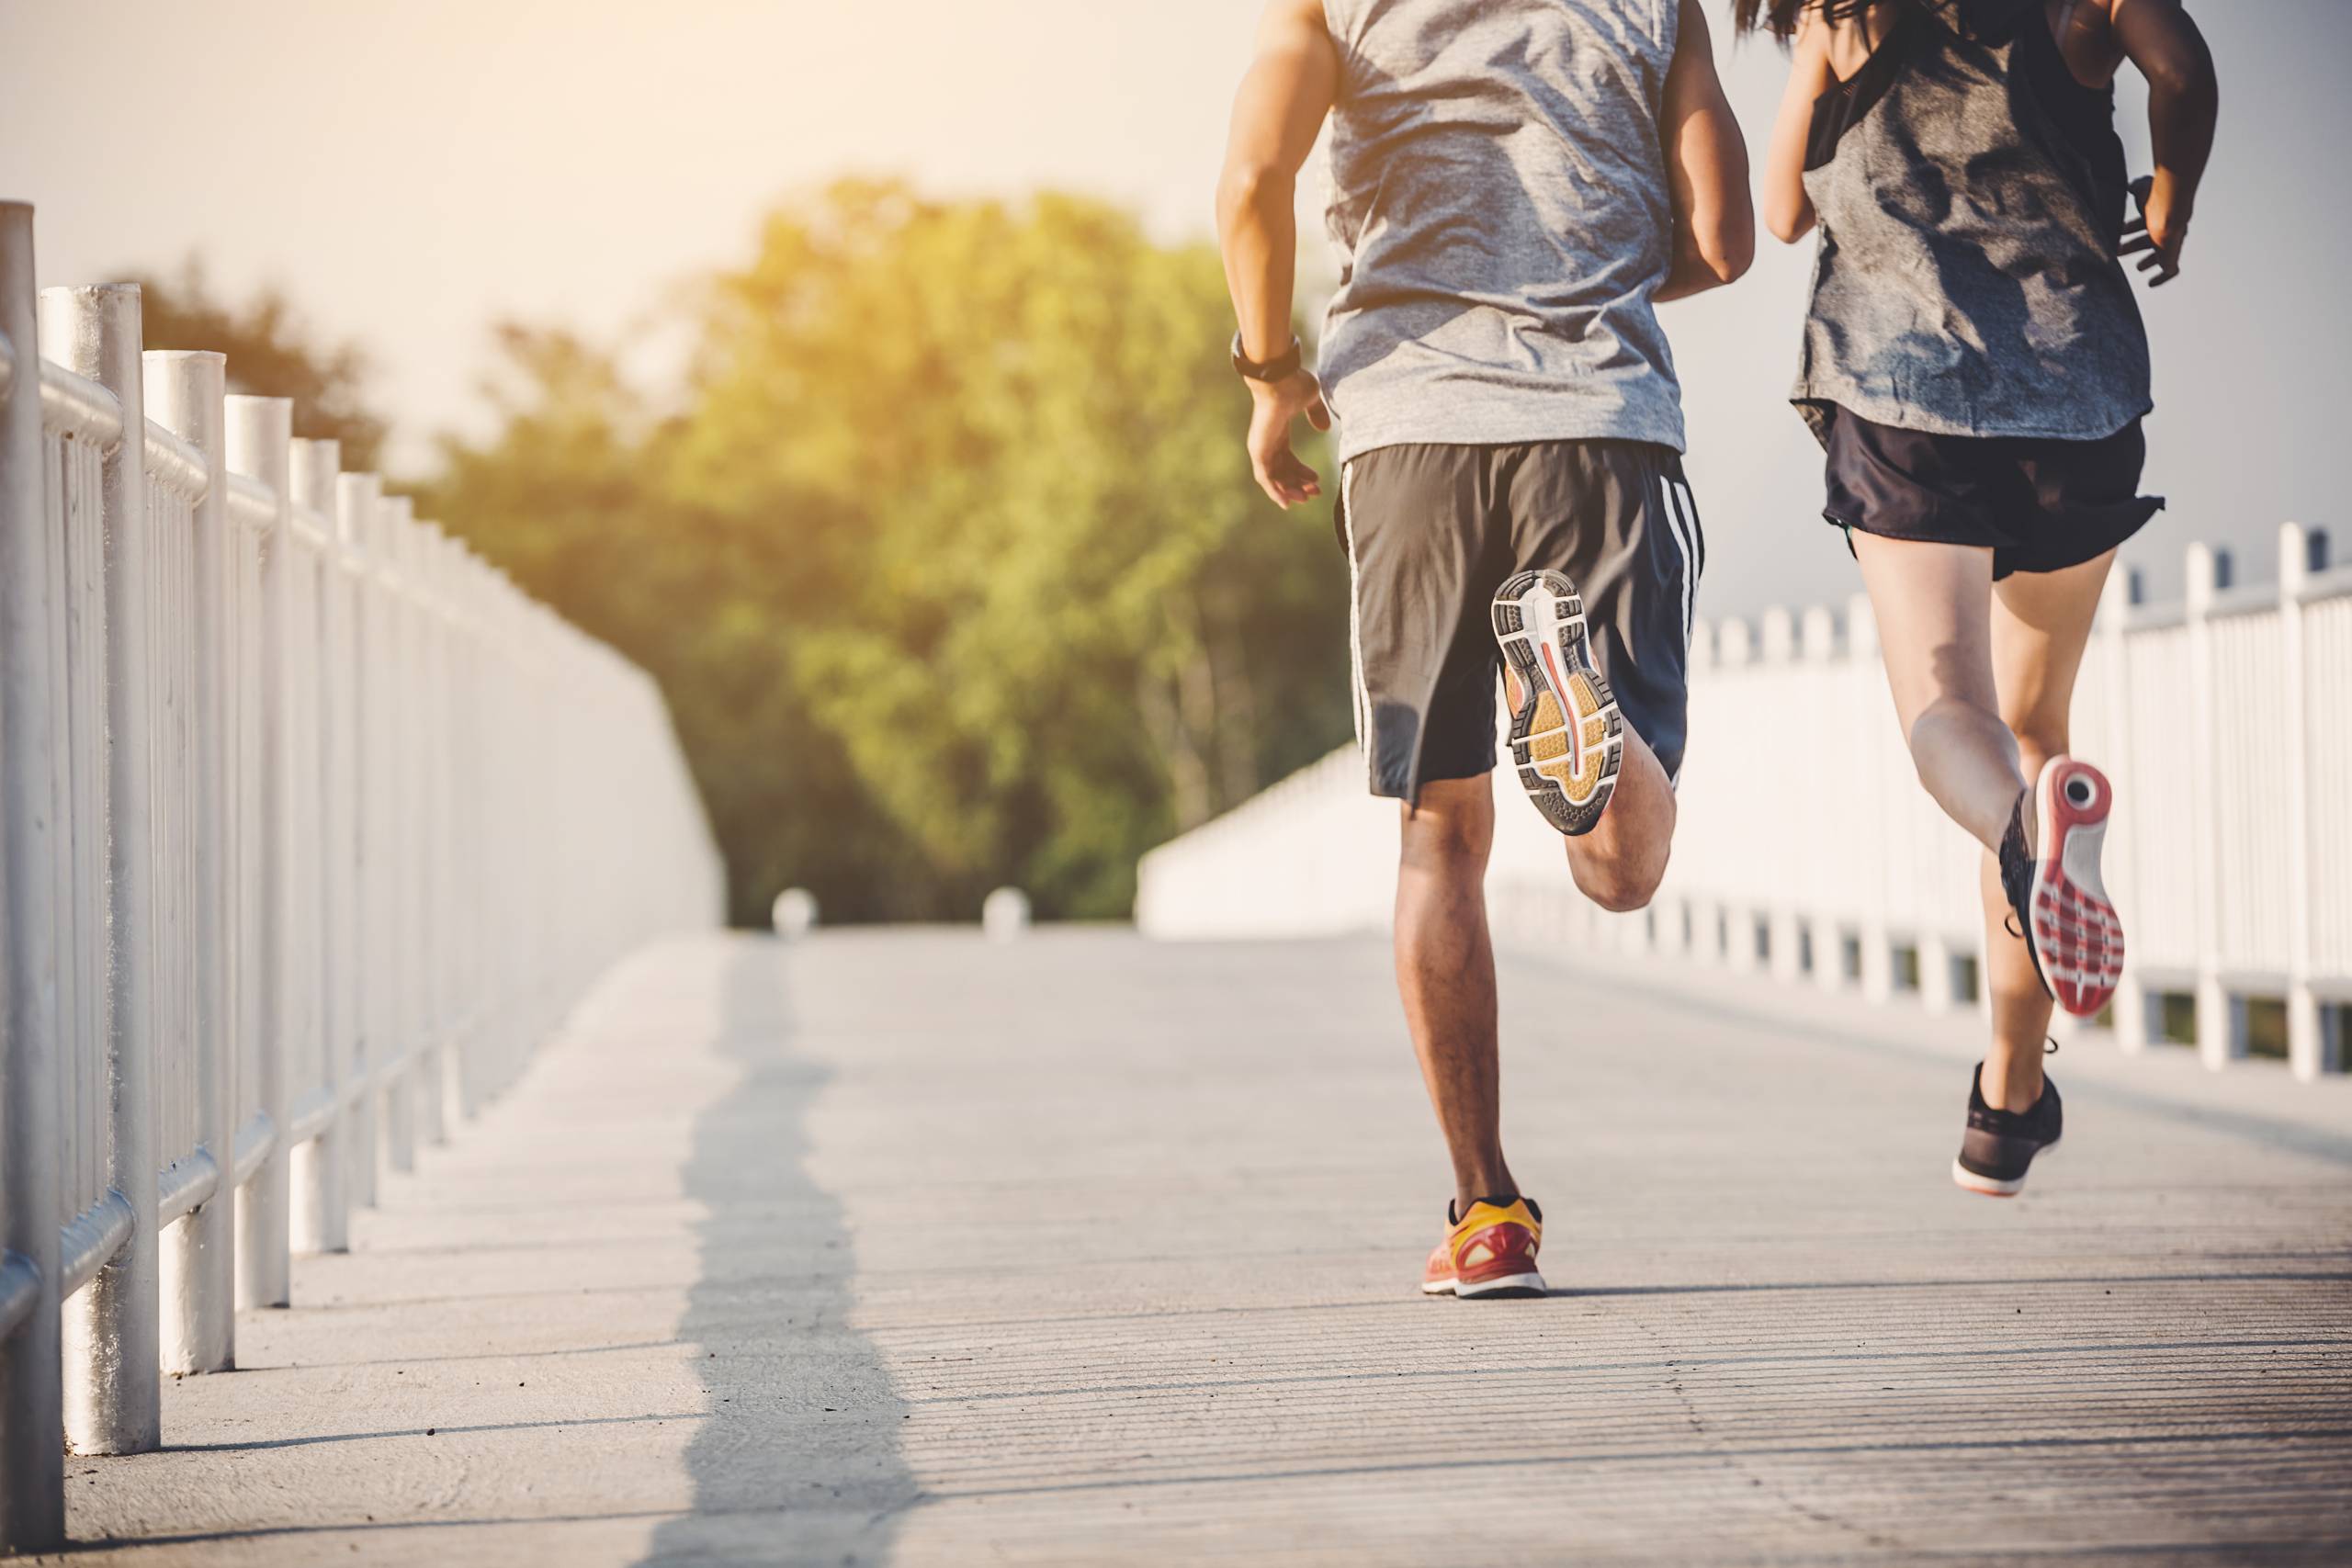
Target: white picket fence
1806,848
311,825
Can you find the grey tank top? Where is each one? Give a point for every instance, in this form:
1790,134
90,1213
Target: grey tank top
1499,204
1971,194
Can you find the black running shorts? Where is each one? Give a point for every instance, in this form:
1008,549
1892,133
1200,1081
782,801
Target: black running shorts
1432,531
2038,504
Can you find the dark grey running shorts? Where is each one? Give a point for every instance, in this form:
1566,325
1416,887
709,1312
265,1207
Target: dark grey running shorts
2038,504
1431,531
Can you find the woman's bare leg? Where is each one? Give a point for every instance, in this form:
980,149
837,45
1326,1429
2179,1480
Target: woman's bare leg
2041,624
1934,608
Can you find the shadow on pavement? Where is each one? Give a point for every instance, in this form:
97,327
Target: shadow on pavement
799,1459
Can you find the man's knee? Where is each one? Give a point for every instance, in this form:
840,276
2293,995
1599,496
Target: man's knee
1620,879
1619,888
1453,827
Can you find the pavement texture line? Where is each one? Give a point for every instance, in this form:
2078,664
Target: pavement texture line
905,1246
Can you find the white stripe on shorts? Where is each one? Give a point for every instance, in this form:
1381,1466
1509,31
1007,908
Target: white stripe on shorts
1678,512
1358,693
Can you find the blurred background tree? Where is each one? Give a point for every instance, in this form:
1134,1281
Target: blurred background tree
272,354
948,556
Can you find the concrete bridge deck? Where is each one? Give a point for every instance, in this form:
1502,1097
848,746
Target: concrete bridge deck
898,1246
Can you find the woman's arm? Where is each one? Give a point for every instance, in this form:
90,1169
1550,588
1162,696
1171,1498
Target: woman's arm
1788,212
2183,102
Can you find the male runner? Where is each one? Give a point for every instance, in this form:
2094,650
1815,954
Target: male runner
1515,183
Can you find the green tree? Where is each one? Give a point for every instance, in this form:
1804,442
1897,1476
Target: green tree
948,556
272,354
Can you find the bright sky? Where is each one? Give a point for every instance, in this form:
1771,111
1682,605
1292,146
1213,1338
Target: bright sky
413,169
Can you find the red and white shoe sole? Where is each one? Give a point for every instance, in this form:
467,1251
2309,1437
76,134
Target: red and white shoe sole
2076,932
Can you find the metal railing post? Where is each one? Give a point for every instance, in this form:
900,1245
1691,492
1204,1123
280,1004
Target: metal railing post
1783,918
260,432
113,1389
2306,1040
357,498
318,1216
32,1469
426,753
2133,1024
186,390
2221,1018
389,676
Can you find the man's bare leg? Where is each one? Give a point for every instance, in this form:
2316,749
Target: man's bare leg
1445,972
1618,864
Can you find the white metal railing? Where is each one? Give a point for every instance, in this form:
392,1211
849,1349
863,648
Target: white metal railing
310,825
1808,848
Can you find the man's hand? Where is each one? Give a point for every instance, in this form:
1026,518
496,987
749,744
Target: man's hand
2159,230
1276,467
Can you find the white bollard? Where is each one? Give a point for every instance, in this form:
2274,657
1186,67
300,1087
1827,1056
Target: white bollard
1004,914
795,913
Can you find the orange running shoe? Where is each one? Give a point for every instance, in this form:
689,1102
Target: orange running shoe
1566,736
1490,1251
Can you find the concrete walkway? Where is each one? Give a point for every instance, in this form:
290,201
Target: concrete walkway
903,1248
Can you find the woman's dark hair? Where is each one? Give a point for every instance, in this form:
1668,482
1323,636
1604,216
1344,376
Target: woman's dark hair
1779,17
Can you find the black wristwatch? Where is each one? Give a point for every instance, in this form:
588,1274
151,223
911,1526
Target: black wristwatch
1281,367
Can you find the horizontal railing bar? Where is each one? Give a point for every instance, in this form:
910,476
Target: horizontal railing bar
2333,583
88,1242
19,1281
251,503
77,406
2250,600
310,529
310,1115
2157,617
255,1140
176,463
192,1179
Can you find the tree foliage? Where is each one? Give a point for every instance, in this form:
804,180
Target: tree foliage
272,354
947,556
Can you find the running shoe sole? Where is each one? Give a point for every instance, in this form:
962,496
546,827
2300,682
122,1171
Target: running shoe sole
2076,936
1566,736
1526,1284
1994,1186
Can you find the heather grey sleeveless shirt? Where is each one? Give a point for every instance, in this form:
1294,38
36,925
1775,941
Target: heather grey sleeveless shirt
1971,196
1499,203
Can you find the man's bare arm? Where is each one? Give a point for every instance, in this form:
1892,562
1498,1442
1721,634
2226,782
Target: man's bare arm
1706,168
2184,104
1276,116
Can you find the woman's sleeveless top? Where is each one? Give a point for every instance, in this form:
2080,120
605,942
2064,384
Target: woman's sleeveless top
1971,196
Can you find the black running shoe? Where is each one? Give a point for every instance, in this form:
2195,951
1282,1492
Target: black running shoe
1999,1145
